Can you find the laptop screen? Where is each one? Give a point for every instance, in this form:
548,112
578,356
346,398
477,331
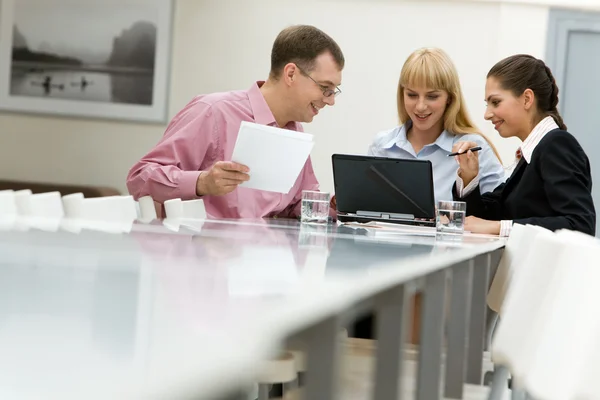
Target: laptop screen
385,185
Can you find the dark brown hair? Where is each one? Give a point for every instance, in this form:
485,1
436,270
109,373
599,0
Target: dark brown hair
302,44
519,72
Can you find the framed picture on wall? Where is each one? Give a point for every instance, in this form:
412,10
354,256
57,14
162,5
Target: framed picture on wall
86,58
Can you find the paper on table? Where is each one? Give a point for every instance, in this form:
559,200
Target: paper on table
275,156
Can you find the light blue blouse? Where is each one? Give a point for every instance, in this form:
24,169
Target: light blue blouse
393,143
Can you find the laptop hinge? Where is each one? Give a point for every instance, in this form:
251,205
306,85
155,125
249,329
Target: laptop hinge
384,215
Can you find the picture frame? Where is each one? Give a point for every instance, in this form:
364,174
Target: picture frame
104,59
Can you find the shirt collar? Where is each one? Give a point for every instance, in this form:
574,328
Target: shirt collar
445,141
537,134
397,138
260,109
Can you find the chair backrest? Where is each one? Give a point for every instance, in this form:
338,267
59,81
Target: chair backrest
548,322
22,201
113,214
516,249
46,205
109,209
585,331
193,209
8,210
569,323
8,207
41,205
516,329
72,204
147,210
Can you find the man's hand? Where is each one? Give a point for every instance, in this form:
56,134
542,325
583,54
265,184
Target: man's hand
222,178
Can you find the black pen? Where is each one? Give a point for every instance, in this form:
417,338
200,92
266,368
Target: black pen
458,154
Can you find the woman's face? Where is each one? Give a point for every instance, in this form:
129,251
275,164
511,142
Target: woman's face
425,107
506,111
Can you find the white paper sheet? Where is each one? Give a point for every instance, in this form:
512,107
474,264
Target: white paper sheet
275,156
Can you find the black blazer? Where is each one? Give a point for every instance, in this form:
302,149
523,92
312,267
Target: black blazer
553,191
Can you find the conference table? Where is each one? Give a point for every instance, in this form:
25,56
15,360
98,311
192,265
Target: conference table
187,309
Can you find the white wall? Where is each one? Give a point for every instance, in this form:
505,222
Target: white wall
592,5
225,44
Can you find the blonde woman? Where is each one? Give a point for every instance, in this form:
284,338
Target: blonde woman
433,117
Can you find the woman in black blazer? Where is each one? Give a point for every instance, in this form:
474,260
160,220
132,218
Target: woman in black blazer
551,183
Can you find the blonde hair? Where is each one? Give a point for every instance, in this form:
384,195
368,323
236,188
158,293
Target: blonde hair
433,68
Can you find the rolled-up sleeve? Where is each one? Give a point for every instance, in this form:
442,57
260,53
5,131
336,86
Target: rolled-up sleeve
171,169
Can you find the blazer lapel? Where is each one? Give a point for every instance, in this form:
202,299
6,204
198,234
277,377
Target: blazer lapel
515,177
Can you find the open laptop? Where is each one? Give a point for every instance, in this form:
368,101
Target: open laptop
392,190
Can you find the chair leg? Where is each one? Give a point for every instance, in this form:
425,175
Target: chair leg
263,391
517,394
499,383
488,378
492,324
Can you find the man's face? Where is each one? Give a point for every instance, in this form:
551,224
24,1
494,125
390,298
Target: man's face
313,90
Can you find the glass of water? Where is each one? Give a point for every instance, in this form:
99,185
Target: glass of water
450,216
315,207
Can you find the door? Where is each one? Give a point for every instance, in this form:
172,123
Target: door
573,54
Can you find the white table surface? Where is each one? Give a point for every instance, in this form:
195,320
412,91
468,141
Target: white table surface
183,307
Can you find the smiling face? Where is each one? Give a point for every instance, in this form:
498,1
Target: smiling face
312,90
507,112
426,108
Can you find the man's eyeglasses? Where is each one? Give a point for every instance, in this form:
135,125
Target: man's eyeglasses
327,91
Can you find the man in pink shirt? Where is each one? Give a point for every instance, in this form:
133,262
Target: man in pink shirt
192,159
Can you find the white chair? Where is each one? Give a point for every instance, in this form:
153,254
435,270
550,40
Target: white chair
114,214
8,206
570,325
22,201
279,370
192,209
46,205
588,387
516,249
548,320
8,209
72,204
41,210
571,370
505,344
109,209
43,205
521,302
146,209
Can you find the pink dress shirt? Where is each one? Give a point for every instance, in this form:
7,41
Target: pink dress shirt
201,134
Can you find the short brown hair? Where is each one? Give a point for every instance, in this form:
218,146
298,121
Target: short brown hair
302,44
523,71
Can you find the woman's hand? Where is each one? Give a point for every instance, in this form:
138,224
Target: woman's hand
468,162
478,225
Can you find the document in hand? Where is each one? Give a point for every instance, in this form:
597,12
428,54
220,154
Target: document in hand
275,156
